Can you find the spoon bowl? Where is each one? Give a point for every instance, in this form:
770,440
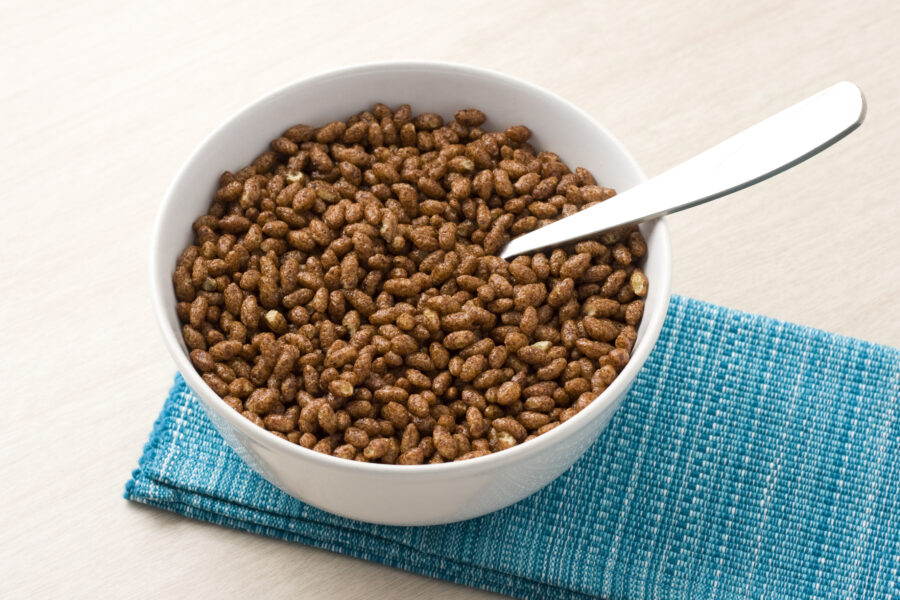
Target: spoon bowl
393,494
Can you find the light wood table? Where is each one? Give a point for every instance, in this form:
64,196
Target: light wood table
100,102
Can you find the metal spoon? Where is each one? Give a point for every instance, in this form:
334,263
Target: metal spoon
766,149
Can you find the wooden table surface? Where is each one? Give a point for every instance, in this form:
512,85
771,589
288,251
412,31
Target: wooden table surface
100,102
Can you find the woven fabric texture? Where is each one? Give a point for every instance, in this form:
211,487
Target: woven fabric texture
752,458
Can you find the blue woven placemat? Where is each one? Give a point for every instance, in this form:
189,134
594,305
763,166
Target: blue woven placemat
752,458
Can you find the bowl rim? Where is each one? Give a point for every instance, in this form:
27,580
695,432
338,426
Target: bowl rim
619,387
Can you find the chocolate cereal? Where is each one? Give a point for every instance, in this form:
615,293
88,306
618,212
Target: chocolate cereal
344,290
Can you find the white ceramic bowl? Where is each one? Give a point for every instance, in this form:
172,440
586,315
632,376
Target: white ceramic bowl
390,494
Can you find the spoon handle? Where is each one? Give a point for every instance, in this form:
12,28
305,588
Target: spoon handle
766,149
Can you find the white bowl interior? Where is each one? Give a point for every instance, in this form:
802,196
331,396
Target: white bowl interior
429,87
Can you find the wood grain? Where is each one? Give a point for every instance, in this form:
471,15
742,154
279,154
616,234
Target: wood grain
101,102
